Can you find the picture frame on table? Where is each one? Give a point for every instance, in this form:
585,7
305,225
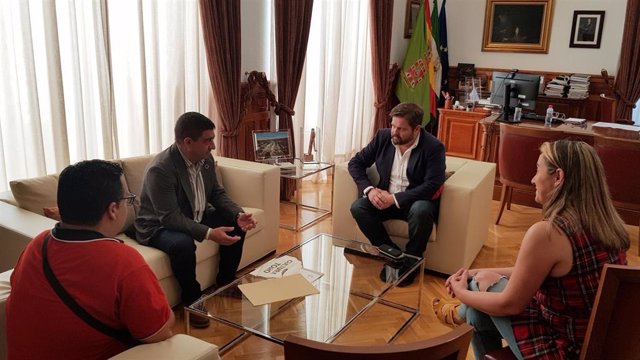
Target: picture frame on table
586,29
521,26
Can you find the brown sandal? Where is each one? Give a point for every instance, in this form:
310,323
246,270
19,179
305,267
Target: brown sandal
446,312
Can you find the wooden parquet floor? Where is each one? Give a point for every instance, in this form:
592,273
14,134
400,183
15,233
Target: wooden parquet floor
500,250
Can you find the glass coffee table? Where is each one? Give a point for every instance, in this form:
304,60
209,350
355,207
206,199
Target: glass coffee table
350,288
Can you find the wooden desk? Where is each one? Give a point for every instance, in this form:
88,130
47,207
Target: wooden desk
491,134
491,140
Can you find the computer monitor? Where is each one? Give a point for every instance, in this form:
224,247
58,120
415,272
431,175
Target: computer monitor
272,145
510,87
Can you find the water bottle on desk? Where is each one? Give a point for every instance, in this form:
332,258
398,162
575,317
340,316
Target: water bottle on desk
517,113
548,118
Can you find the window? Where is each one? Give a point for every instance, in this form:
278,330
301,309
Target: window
95,79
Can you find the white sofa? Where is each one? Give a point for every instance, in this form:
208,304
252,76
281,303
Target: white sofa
463,223
253,186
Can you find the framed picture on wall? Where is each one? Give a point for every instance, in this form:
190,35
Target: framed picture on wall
411,14
517,26
586,29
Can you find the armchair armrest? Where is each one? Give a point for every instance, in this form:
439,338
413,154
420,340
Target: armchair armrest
345,193
256,185
250,183
18,227
463,223
179,346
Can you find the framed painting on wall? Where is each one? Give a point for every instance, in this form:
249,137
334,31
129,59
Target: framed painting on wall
586,29
411,14
517,26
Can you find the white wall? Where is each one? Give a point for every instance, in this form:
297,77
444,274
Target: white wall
465,24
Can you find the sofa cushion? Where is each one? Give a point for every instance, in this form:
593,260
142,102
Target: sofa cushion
36,193
454,163
134,170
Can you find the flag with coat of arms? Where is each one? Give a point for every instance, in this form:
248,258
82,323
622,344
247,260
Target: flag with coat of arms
420,76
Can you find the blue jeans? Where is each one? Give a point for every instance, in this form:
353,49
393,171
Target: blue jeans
182,253
420,218
488,331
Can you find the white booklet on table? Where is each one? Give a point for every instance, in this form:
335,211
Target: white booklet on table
285,266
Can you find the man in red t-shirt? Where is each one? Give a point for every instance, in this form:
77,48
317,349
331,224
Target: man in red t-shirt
107,278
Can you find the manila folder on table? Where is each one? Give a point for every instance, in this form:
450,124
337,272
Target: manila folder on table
272,290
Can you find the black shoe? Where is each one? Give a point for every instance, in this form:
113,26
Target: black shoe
198,322
390,271
407,263
409,279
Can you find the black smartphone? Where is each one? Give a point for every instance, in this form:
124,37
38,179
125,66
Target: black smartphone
390,251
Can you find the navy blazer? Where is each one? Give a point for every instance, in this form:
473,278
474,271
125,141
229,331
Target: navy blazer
425,170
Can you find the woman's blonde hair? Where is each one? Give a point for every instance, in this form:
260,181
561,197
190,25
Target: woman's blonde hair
583,197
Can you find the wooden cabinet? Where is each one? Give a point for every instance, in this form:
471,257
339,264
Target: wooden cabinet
569,107
461,133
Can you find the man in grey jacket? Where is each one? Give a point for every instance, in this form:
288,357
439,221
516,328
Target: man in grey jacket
182,201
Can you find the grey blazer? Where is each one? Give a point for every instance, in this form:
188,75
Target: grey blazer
166,197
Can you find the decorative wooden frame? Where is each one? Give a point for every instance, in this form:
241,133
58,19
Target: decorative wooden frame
411,14
522,26
586,29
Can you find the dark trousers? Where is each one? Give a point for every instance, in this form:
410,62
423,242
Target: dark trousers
181,249
420,217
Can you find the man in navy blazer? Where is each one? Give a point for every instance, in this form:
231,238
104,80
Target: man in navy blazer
182,201
411,165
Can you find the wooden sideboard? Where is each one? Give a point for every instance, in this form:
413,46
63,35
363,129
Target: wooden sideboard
461,133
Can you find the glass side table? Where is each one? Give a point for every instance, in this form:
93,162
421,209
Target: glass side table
298,172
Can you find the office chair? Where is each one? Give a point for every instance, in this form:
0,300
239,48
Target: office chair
612,332
450,346
518,153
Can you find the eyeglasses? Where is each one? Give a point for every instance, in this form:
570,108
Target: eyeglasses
131,199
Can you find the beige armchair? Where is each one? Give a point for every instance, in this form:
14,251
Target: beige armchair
463,223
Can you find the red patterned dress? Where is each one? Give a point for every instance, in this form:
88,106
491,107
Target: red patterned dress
554,324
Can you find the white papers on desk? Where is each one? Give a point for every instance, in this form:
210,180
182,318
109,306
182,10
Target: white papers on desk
572,120
616,126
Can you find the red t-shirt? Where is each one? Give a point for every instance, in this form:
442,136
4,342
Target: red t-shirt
108,279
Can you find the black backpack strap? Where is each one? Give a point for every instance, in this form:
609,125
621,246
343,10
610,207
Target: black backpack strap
121,335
